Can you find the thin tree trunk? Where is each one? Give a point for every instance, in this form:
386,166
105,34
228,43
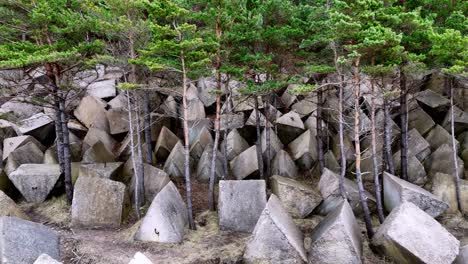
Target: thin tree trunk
66,152
404,126
388,138
187,144
268,142
378,194
320,131
147,128
135,169
362,197
454,147
259,139
226,130
141,168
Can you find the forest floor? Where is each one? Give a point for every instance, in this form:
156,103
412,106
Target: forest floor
205,245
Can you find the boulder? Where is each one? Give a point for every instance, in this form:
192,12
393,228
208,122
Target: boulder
330,189
154,181
462,256
275,239
91,110
416,172
240,204
10,144
460,120
236,144
337,238
94,135
35,181
283,165
206,90
409,235
231,121
289,126
98,202
102,89
418,119
175,163
139,258
46,259
166,142
118,120
417,145
22,241
397,191
275,143
432,99
199,144
27,153
39,126
166,218
110,170
245,164
9,208
204,165
443,187
98,153
438,162
304,150
297,198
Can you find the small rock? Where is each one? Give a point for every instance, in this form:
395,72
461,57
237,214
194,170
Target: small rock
166,219
275,239
98,202
22,242
240,204
397,191
299,199
337,239
35,181
409,235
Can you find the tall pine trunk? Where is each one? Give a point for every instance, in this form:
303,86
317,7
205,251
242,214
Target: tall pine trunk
259,139
378,194
388,137
226,129
449,81
66,152
341,136
141,168
147,128
320,130
404,125
137,188
268,142
362,196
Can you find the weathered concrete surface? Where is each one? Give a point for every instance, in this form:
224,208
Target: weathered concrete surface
460,120
94,135
417,145
416,172
166,141
91,112
154,181
204,165
27,153
139,258
22,242
275,239
397,191
443,187
418,119
439,136
438,160
98,153
409,235
288,99
35,181
432,99
275,143
304,150
240,204
166,219
462,256
8,207
102,89
337,239
245,163
98,202
236,144
289,126
201,141
231,121
46,259
38,126
297,198
118,120
205,87
10,144
252,120
283,165
110,170
175,163
305,106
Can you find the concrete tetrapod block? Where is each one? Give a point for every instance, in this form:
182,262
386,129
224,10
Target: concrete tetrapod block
304,150
98,202
35,181
299,199
46,259
154,181
166,219
462,256
397,190
26,154
240,204
275,239
139,258
165,143
409,235
443,187
12,143
336,239
236,144
245,164
22,242
8,207
283,165
290,126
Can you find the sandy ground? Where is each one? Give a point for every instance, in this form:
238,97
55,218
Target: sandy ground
205,245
